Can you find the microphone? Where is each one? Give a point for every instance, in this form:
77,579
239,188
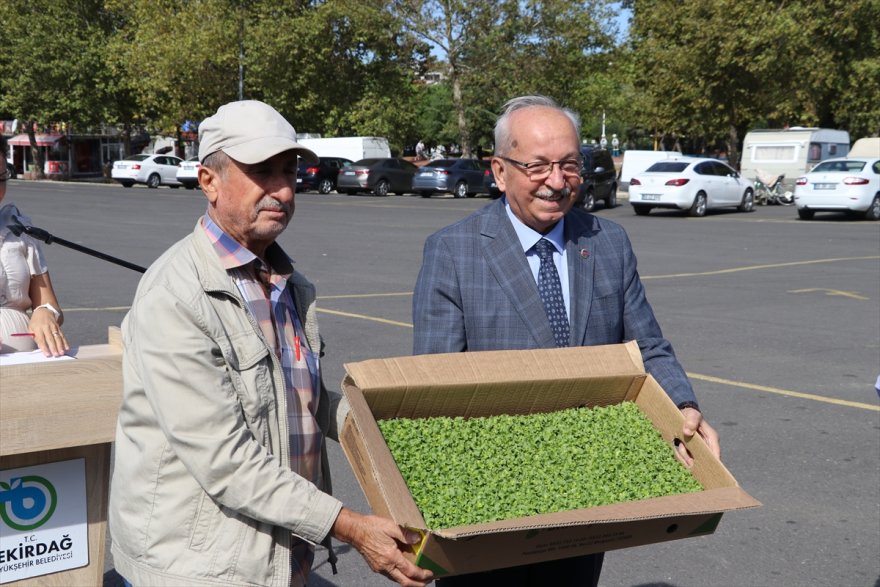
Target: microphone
17,226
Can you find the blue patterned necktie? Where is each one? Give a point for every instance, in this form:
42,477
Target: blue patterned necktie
551,293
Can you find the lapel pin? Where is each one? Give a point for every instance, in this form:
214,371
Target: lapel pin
585,253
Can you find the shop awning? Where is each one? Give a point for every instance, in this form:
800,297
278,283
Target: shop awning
42,140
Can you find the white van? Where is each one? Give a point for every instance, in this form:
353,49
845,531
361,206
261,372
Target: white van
635,162
354,148
792,151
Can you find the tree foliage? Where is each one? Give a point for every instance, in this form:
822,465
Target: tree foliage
51,64
702,73
712,70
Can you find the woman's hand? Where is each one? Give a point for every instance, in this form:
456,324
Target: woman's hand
47,333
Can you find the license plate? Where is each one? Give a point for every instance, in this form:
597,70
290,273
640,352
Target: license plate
650,197
348,173
824,186
299,180
426,173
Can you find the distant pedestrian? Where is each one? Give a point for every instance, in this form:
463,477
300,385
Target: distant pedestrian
421,154
615,145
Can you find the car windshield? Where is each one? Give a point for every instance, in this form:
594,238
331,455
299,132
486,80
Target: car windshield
845,166
668,167
138,157
366,162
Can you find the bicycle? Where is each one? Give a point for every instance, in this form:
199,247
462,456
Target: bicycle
770,190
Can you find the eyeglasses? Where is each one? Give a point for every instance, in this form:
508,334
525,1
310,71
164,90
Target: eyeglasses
542,169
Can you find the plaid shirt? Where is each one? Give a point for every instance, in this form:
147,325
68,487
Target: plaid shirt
269,300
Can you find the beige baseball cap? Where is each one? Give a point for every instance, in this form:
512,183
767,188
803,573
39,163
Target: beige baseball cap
250,132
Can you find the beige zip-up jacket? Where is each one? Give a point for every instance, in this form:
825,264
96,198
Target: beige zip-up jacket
202,492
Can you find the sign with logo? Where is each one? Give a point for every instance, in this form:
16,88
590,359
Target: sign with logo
43,520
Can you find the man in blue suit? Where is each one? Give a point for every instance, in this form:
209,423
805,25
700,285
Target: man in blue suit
484,285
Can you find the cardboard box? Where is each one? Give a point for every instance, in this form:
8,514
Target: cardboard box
524,382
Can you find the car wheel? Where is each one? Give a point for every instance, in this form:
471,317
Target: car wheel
460,190
641,210
611,200
325,186
873,212
698,208
589,201
153,181
381,188
127,184
425,194
806,213
748,202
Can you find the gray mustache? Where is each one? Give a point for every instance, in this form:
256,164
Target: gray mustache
268,203
547,193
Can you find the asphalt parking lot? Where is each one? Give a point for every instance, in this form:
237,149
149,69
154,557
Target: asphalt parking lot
775,319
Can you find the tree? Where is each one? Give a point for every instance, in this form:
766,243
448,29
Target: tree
495,51
332,67
180,60
50,64
712,70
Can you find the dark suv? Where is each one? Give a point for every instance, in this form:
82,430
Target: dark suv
599,178
321,176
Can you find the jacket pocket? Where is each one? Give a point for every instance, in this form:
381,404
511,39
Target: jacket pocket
203,523
249,366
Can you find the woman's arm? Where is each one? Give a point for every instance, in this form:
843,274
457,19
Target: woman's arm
45,325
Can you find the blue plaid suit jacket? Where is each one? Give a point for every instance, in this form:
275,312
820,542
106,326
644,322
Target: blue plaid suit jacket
475,292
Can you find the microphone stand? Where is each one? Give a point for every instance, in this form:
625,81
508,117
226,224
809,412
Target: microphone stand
16,227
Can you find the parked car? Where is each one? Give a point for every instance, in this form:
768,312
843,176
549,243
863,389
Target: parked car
694,184
379,176
599,178
320,176
153,170
188,173
489,185
841,185
460,177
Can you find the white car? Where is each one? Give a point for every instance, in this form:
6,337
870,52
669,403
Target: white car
694,184
188,173
840,185
153,170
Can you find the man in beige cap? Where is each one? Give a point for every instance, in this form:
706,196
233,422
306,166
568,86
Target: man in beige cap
220,468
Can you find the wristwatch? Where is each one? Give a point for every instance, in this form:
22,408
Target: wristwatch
52,309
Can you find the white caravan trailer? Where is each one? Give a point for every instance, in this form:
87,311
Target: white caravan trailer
354,148
866,147
793,151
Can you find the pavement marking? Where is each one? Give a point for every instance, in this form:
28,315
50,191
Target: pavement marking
365,317
372,295
755,267
698,376
104,309
786,392
831,292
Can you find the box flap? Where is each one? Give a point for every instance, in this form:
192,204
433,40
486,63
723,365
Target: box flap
492,382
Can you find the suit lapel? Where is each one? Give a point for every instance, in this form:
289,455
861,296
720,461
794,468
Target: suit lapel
505,258
580,253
